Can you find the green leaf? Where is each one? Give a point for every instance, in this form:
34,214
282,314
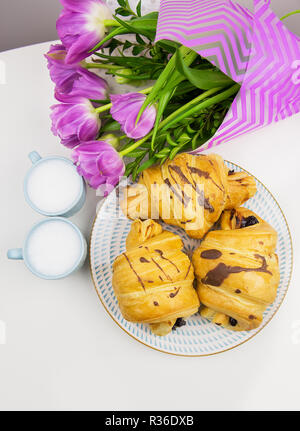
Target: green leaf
116,32
122,3
194,107
160,83
123,12
168,75
163,153
140,40
145,25
163,101
137,50
145,145
170,140
127,45
146,164
113,126
136,153
135,172
129,168
176,150
203,79
163,160
168,45
129,61
184,138
113,45
139,8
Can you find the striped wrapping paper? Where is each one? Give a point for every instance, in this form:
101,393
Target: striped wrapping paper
254,49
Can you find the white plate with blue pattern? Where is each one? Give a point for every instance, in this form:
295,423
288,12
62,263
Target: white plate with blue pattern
198,337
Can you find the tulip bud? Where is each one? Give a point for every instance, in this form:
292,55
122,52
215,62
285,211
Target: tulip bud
111,139
123,80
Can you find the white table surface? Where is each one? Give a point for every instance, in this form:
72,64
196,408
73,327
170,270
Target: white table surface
63,351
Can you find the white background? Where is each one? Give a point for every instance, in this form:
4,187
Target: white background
63,351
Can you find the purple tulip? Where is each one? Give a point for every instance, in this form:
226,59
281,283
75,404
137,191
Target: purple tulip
100,164
75,121
73,79
125,108
62,74
80,26
86,84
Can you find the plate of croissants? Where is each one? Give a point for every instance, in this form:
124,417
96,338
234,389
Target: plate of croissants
193,259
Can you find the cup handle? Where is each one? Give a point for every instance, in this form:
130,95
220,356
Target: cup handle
15,253
34,157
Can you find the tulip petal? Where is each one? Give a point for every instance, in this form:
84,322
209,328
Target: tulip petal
125,108
99,163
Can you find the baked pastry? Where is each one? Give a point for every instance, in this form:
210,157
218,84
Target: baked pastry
237,270
153,278
190,191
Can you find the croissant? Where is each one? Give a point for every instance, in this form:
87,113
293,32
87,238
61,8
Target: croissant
153,278
190,191
237,270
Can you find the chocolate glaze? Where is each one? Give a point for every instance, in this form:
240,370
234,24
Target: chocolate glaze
144,260
204,202
179,322
182,198
232,321
138,277
179,172
160,268
186,199
160,252
248,221
173,294
216,276
211,254
203,174
187,273
185,222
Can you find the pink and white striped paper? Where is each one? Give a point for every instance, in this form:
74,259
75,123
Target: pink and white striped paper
254,49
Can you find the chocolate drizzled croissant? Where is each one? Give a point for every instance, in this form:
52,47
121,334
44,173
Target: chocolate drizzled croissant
190,191
237,270
153,278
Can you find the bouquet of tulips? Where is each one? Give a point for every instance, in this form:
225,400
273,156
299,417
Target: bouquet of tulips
179,98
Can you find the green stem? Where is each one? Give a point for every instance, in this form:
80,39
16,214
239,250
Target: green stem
196,107
186,109
101,66
107,107
290,14
111,23
189,105
169,73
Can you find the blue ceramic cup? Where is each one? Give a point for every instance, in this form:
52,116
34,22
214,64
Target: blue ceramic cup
72,207
24,253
